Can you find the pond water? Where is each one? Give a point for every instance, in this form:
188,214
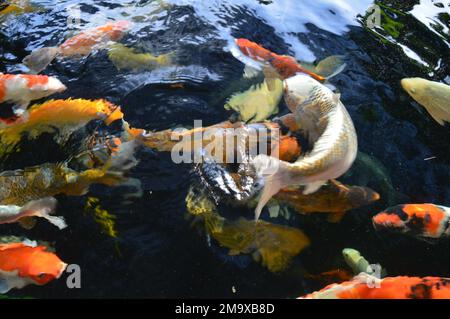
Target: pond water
157,252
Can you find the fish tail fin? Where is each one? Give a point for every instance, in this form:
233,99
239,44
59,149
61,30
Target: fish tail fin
38,60
336,71
276,176
439,113
166,59
44,208
331,66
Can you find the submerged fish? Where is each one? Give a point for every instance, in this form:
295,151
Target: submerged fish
81,44
359,264
257,103
22,186
433,96
202,139
15,7
254,55
333,198
368,170
424,221
39,208
22,264
273,245
102,217
365,286
21,89
64,116
325,120
125,58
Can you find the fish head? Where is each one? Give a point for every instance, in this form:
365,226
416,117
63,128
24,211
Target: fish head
361,196
123,25
419,220
244,45
253,50
393,219
44,266
55,86
413,86
297,90
286,66
351,255
119,28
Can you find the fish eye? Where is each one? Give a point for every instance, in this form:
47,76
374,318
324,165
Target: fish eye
42,275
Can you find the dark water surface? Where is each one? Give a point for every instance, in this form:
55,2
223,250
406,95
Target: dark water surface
157,252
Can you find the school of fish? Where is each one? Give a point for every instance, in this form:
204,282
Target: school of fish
317,145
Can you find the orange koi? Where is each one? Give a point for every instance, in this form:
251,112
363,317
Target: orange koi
365,286
22,264
286,66
81,44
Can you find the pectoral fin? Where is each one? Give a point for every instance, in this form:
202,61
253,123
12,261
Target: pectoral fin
440,113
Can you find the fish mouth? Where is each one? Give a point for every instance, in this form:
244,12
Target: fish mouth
62,88
406,84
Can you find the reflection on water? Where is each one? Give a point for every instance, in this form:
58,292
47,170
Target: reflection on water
404,153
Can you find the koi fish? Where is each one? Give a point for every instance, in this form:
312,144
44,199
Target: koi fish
365,286
81,44
423,221
334,198
125,58
287,148
252,54
433,96
259,102
367,170
22,264
51,179
330,130
64,116
273,245
21,89
102,217
359,264
16,7
40,208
